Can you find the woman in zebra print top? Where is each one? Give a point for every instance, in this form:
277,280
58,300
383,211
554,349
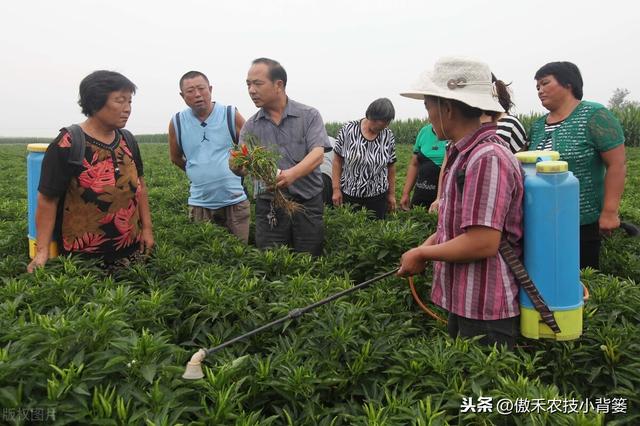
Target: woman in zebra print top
364,172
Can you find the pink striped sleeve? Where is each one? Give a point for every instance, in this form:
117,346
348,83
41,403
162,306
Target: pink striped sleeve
488,190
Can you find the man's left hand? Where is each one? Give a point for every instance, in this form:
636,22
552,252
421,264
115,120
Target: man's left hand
285,178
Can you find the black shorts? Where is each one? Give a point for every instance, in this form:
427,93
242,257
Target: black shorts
501,331
377,204
590,243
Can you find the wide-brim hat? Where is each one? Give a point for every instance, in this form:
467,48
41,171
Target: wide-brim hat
463,79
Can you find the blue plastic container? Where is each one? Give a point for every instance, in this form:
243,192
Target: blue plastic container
552,250
35,155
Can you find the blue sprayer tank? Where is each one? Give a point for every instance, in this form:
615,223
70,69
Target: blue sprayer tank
35,155
551,245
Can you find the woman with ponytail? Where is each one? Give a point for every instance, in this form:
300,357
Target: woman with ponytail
510,129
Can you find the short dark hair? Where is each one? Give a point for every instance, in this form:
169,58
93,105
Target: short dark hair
96,88
276,71
566,73
381,109
192,74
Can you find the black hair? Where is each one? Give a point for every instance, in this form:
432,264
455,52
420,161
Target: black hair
381,109
276,71
192,74
467,111
96,88
504,97
566,73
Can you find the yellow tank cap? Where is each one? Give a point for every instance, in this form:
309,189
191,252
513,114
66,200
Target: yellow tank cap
552,167
531,157
37,147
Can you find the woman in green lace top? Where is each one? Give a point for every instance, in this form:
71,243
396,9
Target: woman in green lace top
591,140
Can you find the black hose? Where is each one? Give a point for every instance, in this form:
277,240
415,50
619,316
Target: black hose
631,229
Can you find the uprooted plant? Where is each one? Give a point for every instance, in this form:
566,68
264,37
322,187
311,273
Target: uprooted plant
261,164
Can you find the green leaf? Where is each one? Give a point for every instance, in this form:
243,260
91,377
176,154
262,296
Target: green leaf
148,371
115,360
239,361
81,389
382,254
9,394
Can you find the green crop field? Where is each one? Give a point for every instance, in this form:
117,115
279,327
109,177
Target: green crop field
84,348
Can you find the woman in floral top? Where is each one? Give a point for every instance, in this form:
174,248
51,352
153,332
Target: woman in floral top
100,208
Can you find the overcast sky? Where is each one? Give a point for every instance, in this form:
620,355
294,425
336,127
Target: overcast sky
339,54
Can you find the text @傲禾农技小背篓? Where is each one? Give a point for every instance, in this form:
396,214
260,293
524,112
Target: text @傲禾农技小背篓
506,406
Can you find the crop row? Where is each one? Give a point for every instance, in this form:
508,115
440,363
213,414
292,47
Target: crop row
111,350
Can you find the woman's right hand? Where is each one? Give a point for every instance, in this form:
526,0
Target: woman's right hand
405,203
336,198
608,221
433,208
38,261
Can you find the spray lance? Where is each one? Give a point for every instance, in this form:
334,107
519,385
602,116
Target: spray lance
194,366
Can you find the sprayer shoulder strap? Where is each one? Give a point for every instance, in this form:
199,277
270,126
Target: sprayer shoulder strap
231,125
131,142
178,128
523,278
78,144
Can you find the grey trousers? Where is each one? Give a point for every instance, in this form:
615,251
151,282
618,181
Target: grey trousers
303,231
234,217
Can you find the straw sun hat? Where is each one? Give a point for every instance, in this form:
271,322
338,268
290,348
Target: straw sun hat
463,79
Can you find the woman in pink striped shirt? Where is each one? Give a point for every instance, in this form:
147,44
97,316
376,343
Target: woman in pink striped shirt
481,206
